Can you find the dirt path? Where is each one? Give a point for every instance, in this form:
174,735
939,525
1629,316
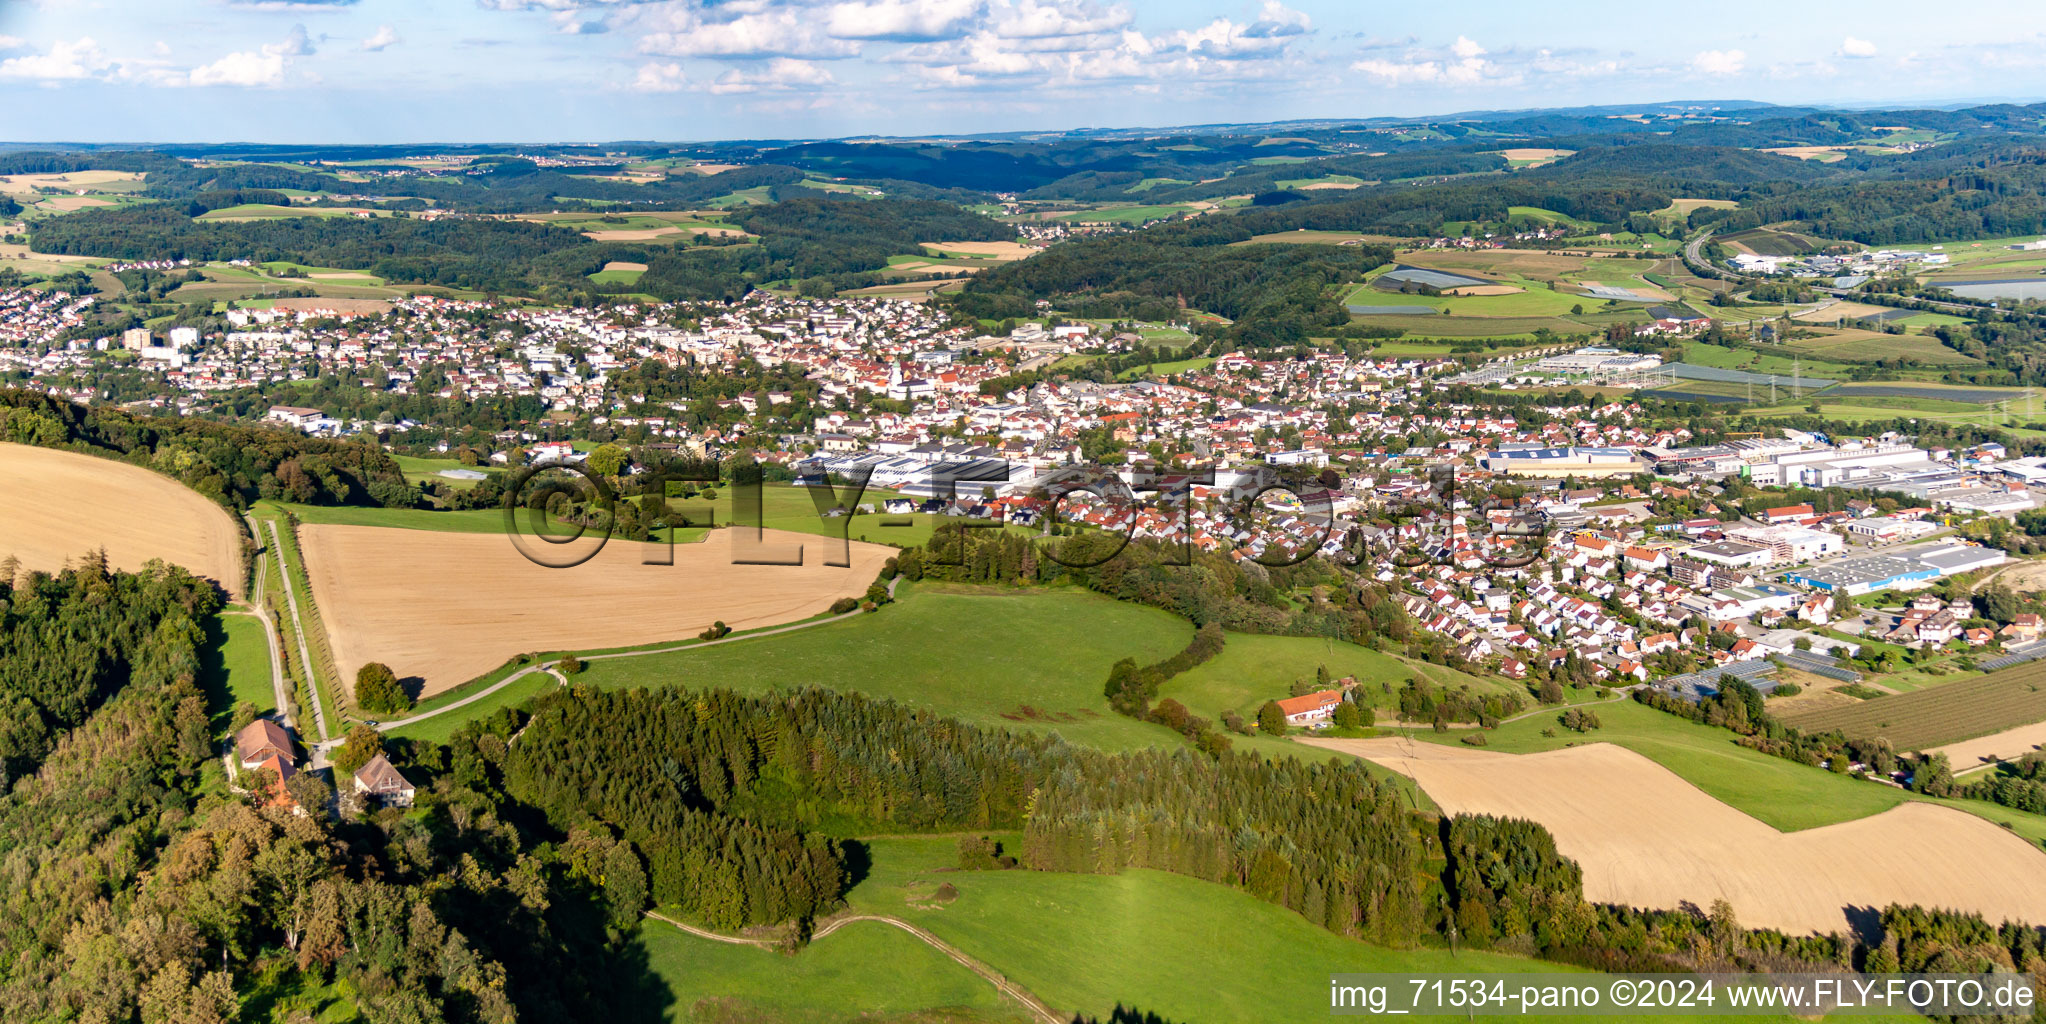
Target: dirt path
305,651
1036,1006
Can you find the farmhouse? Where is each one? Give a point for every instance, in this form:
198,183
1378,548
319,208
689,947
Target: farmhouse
382,781
260,741
1311,708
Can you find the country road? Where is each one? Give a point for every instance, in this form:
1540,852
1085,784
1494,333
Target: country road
530,669
1036,1006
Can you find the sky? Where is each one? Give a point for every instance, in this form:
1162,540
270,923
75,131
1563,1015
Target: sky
371,71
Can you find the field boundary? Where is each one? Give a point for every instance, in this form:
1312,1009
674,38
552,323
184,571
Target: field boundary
1002,984
298,627
684,646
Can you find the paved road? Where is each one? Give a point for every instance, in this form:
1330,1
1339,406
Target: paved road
1036,1006
530,669
305,652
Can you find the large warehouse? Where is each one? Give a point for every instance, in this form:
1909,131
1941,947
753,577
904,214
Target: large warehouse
1904,570
1562,462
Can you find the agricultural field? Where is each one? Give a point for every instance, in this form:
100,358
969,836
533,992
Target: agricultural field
441,608
1983,751
618,272
1000,252
1305,236
72,181
266,211
1130,215
1939,715
1526,157
59,505
1647,838
1770,242
1973,395
1497,328
1760,361
964,653
1853,344
1337,181
1523,300
638,227
1681,209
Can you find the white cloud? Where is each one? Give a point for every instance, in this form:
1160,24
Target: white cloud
297,44
1464,63
385,36
761,34
1852,47
902,20
1719,62
1223,39
241,69
251,68
80,58
1038,19
779,74
1399,72
12,42
660,78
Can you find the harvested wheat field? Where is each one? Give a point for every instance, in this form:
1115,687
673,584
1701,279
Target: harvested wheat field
1983,751
448,607
1647,838
996,250
57,505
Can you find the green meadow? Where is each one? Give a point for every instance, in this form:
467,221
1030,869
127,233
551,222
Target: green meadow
1020,659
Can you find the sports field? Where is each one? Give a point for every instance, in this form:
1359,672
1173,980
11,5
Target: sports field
446,607
1647,838
57,506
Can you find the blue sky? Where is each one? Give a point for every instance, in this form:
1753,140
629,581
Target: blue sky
592,70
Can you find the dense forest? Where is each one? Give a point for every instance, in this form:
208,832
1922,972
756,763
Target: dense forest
138,889
805,236
825,238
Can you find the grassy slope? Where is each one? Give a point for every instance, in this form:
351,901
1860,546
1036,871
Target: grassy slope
835,975
237,667
1164,944
1253,668
973,655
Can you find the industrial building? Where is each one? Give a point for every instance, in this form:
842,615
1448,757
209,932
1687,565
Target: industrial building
1561,462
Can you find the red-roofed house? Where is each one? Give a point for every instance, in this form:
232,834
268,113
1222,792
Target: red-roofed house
1311,708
